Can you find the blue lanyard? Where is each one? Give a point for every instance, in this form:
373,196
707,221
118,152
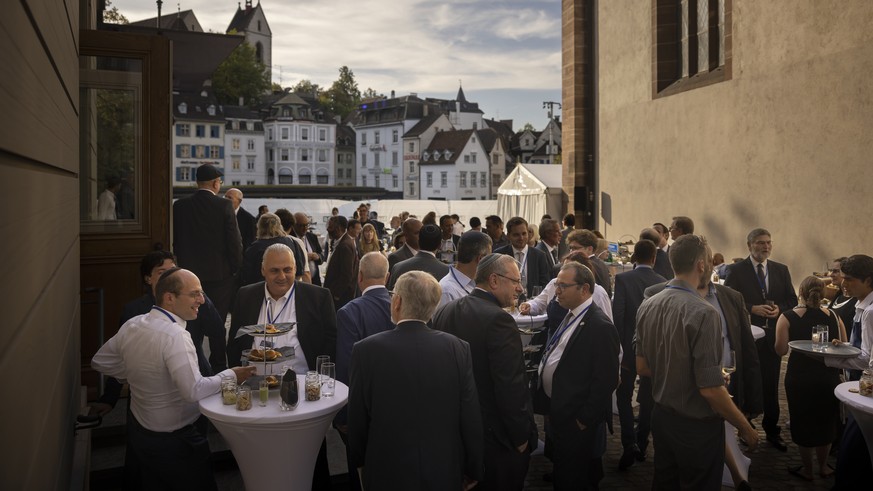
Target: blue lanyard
172,319
557,336
268,310
452,270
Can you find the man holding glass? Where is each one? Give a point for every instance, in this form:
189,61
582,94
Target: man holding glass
533,263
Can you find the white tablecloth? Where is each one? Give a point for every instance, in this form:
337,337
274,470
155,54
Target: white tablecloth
757,332
529,323
276,449
861,408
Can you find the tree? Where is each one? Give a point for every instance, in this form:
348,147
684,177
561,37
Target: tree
343,96
370,93
306,86
111,15
241,75
528,127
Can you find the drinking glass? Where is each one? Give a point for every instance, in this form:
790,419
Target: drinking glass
244,398
730,364
328,376
263,393
819,337
321,359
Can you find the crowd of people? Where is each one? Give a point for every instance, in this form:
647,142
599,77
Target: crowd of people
419,318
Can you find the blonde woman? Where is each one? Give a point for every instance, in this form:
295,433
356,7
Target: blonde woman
369,241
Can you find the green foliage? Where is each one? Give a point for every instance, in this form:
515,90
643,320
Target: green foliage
306,86
528,126
241,75
343,96
370,93
111,15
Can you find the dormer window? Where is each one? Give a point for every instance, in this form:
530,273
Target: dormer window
183,108
425,156
211,110
447,154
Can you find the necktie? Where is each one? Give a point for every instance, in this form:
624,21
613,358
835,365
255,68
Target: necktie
762,278
555,256
519,256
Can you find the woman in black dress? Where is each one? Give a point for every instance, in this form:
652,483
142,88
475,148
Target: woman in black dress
809,384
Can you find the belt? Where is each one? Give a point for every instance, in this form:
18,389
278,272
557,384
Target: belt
673,412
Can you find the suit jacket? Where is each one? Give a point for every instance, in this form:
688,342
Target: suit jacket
206,237
746,381
427,435
662,265
538,270
743,278
421,262
498,366
563,249
341,276
601,274
630,288
316,321
554,266
312,240
361,318
584,380
401,254
247,226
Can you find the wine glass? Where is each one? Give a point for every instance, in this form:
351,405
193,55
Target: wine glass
729,366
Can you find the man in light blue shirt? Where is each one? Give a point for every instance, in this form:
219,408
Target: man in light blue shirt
458,283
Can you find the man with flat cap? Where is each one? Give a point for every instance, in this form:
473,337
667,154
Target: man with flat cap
206,237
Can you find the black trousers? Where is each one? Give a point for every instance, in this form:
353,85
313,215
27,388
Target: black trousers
178,460
578,456
505,468
771,363
647,404
221,293
853,459
623,396
689,453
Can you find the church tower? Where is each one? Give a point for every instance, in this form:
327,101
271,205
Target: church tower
251,22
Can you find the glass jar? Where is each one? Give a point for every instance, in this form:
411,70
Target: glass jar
228,391
865,384
313,386
243,398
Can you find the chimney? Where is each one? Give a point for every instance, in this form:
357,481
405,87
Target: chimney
392,94
242,100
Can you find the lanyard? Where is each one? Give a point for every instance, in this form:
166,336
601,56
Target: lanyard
557,336
763,284
452,270
268,310
172,319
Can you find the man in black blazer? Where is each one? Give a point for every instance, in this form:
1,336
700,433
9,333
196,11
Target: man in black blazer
411,228
585,241
206,238
578,373
315,317
767,292
498,367
425,260
630,288
414,417
569,225
310,241
342,265
244,220
662,259
534,265
550,233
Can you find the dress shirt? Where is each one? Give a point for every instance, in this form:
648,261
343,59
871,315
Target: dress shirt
458,229
455,285
540,303
447,244
284,313
553,251
766,272
307,248
864,315
549,364
156,356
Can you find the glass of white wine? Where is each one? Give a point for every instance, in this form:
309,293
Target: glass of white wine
729,365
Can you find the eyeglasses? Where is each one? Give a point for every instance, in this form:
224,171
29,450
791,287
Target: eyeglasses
195,294
564,286
517,282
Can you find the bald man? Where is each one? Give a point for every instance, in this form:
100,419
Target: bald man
244,220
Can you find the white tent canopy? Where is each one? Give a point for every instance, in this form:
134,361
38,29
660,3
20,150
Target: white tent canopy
531,191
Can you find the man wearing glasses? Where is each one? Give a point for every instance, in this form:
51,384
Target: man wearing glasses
498,368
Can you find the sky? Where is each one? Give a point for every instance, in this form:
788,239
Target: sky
505,53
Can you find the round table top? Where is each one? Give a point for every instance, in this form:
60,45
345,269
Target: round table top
842,351
853,399
529,321
213,408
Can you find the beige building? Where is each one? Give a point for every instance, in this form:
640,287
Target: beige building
761,119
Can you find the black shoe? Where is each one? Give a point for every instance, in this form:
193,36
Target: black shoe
777,442
627,457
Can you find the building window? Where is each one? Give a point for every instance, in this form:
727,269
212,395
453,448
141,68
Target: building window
464,179
494,178
234,163
378,182
250,163
322,155
376,137
304,156
363,180
185,151
395,161
322,134
376,159
692,44
412,189
473,157
411,167
321,179
250,183
429,179
363,160
251,144
394,136
215,131
495,159
466,159
411,147
234,183
472,179
482,181
394,181
304,134
444,179
183,129
285,155
270,155
200,152
348,173
285,134
286,177
305,177
234,144
363,138
200,131
270,134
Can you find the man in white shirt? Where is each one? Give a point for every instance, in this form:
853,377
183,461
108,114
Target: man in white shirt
459,282
154,353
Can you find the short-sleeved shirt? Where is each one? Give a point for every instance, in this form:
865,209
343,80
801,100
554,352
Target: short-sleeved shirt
679,334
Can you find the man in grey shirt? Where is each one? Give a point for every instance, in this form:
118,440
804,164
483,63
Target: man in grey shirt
679,346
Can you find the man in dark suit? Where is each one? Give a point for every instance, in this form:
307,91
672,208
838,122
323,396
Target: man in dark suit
310,242
630,288
425,260
533,263
585,241
206,238
244,220
314,333
342,265
578,373
498,368
414,417
569,225
411,228
662,259
361,318
550,233
494,229
767,291
448,250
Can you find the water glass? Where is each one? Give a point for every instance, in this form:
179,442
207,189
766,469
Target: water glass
819,337
263,393
319,360
328,377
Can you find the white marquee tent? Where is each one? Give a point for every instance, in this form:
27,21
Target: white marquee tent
531,191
